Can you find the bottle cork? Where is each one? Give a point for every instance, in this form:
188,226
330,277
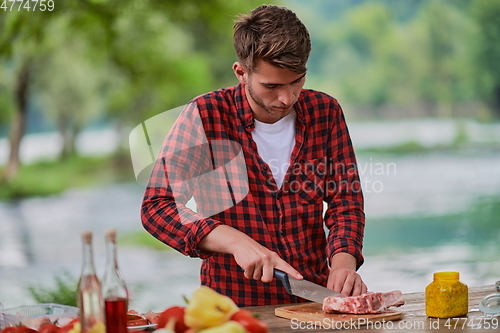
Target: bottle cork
111,235
87,237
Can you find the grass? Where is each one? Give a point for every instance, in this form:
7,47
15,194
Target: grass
407,147
413,147
142,239
53,177
64,292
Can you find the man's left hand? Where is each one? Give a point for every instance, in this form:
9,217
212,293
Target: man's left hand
343,277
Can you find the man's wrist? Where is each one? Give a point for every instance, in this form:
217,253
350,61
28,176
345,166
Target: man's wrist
342,260
223,239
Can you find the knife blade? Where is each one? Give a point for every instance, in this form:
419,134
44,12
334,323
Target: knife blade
305,289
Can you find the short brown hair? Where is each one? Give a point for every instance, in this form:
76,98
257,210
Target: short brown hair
274,34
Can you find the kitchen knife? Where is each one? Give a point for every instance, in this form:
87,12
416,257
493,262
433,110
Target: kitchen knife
305,289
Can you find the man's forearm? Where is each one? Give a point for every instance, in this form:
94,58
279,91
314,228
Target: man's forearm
222,239
343,260
257,261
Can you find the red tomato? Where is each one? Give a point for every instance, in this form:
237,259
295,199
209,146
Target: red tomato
24,329
249,321
176,312
49,328
66,328
10,329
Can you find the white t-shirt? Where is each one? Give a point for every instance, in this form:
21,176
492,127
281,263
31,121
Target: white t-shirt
275,143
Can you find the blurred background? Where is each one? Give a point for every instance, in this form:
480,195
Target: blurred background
419,82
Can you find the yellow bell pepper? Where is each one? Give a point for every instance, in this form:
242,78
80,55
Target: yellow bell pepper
208,308
99,327
228,327
76,328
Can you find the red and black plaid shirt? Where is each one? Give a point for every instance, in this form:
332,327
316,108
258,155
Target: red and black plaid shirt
215,130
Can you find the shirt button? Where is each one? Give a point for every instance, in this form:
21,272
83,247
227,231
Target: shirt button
278,195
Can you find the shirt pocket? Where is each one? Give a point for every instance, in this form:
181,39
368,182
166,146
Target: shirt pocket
309,180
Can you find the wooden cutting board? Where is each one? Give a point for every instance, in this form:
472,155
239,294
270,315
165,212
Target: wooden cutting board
313,312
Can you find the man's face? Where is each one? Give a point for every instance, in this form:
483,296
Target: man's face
271,91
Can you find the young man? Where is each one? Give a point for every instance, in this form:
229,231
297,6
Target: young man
280,152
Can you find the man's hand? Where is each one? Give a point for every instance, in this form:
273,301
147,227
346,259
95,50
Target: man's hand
257,261
343,277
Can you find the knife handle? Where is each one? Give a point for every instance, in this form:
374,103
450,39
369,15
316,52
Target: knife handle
283,277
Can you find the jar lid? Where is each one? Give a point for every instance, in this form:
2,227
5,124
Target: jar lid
490,304
446,275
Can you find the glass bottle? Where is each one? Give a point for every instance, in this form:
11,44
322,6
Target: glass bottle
90,301
114,289
446,296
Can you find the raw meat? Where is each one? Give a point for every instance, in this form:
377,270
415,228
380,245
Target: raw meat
363,304
152,317
134,318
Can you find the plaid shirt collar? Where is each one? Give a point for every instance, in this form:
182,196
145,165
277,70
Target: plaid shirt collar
245,111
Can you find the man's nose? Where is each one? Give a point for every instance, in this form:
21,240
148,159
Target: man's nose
286,96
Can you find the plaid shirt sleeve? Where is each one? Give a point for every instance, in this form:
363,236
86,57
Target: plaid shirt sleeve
344,216
184,157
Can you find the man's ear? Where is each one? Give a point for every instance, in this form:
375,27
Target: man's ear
240,71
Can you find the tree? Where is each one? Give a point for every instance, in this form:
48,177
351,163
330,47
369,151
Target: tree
441,32
412,57
486,14
21,52
360,47
68,88
153,55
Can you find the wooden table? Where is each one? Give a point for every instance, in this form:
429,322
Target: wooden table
414,318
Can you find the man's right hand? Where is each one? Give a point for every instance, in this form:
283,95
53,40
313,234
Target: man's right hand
257,261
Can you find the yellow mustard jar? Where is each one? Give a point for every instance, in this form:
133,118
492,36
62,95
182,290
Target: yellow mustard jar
446,296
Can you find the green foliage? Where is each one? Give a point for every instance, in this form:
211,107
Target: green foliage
142,57
432,56
6,102
403,148
142,239
124,61
486,14
64,291
52,177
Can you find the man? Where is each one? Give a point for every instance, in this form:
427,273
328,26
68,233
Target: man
296,154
